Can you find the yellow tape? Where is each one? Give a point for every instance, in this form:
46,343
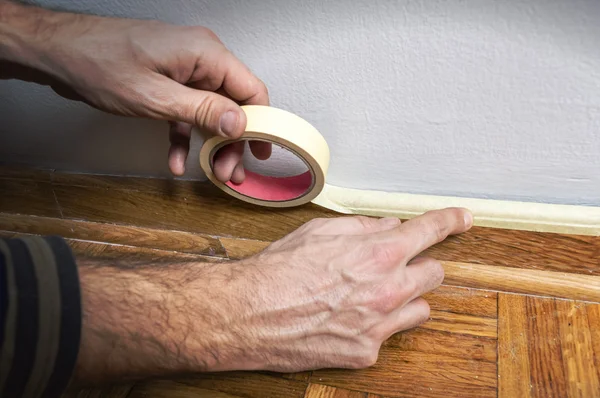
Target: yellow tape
295,134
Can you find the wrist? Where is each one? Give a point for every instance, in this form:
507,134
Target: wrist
27,35
222,302
17,32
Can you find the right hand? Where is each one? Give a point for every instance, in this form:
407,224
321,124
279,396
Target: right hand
330,293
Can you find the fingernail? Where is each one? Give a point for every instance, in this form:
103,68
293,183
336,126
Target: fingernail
238,175
228,123
468,219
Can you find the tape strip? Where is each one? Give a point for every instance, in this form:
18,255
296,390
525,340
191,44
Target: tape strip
525,216
295,134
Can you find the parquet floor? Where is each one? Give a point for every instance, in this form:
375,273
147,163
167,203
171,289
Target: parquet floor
517,315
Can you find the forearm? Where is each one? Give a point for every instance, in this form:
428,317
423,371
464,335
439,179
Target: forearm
71,319
143,319
19,26
28,39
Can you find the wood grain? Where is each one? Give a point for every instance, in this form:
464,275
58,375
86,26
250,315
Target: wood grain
243,384
535,282
412,374
199,207
593,316
241,248
477,343
453,353
577,350
14,172
28,197
460,300
302,376
514,377
134,254
321,391
444,343
165,186
545,356
522,249
546,348
171,389
116,391
461,324
113,233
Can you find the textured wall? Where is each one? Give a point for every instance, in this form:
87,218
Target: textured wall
477,98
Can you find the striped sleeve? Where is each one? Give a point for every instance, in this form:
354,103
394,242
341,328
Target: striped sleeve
40,316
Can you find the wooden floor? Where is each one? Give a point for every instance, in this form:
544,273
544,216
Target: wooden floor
517,315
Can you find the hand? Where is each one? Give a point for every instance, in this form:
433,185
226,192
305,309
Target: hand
181,74
330,293
326,295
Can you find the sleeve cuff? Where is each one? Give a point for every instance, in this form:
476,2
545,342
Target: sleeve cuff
41,316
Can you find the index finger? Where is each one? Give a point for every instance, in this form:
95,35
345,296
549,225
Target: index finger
422,232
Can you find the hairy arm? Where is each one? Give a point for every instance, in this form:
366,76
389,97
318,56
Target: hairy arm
149,318
68,319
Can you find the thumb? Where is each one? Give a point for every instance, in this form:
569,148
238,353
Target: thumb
211,112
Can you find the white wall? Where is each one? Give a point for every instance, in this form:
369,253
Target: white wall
476,98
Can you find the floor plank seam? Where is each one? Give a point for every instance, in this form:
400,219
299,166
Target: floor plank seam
543,297
117,224
58,206
462,313
131,388
449,333
498,346
198,256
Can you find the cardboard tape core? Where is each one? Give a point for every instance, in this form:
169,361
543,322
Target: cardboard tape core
269,188
288,131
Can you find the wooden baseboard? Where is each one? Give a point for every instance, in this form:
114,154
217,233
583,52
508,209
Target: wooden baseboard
525,216
196,218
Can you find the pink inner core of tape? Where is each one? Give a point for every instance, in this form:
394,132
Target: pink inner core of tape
273,188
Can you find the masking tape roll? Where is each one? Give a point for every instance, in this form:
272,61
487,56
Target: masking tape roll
265,123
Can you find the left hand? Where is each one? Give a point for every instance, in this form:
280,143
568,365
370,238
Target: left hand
181,74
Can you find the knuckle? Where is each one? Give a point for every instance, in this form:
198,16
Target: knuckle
424,311
387,299
409,288
203,30
263,88
439,225
384,254
366,359
370,359
366,222
205,113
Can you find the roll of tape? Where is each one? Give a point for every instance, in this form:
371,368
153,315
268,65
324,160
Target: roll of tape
265,123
